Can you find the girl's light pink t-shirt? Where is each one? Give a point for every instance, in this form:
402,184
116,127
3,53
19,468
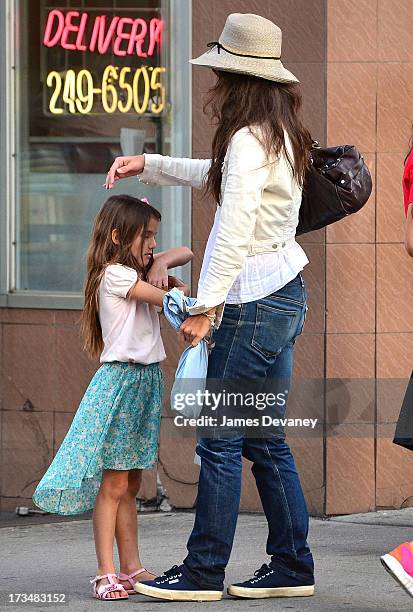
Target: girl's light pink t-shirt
130,329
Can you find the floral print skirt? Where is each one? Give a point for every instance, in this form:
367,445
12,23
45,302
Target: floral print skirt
115,427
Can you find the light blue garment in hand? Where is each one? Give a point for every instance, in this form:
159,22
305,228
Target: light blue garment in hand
192,368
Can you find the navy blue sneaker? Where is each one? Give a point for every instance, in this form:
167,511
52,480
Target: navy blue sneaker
173,585
267,582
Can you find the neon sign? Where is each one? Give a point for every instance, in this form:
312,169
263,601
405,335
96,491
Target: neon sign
78,92
61,30
119,88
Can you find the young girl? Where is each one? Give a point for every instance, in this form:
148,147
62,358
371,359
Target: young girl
114,434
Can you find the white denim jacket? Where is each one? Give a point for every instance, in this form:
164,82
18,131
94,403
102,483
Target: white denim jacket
259,210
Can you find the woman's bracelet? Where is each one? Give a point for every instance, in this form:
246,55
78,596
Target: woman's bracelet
211,318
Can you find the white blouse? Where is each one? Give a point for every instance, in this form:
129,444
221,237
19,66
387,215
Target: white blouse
261,274
251,251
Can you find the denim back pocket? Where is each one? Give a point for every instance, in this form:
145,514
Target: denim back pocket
275,326
304,316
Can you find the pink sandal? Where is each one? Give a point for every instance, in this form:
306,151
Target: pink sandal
128,578
102,591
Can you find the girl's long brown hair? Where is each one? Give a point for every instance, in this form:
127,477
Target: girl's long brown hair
239,100
130,217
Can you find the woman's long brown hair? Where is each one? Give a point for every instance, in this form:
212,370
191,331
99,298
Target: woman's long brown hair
130,217
239,100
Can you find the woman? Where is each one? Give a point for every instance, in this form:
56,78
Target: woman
252,291
408,199
399,562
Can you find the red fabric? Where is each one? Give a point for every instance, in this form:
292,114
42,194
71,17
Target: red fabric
408,182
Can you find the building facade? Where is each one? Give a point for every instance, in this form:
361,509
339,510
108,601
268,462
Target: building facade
74,94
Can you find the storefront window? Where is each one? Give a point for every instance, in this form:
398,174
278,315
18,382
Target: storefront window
94,80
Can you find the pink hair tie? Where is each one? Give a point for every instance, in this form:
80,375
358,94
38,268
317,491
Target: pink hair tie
145,200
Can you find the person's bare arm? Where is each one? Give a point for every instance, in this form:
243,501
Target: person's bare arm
174,281
145,292
408,237
177,256
163,261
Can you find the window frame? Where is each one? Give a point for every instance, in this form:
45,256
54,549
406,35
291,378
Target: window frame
180,15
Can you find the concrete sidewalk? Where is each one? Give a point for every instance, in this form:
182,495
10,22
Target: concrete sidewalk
60,557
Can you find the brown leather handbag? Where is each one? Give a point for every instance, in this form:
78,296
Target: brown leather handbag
338,184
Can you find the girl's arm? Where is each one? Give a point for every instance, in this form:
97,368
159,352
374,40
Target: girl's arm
158,272
153,169
145,292
408,237
152,292
177,256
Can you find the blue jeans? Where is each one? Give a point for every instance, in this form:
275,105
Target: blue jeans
255,338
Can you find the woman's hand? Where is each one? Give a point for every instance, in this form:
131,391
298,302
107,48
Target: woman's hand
195,328
123,167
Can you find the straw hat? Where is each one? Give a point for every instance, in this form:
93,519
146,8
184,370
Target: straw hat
248,44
